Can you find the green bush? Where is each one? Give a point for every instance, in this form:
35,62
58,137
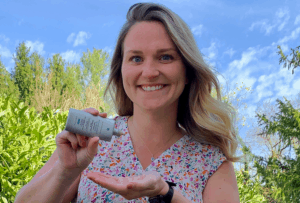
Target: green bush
27,140
250,191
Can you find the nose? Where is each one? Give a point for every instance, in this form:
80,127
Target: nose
150,70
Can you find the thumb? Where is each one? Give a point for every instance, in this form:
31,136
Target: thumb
93,146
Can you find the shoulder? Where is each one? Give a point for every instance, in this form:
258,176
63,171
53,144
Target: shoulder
222,185
211,155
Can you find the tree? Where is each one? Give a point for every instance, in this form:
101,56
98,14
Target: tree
7,85
294,62
57,69
96,68
282,176
37,63
23,74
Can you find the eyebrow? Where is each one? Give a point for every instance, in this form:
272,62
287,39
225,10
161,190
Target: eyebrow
158,51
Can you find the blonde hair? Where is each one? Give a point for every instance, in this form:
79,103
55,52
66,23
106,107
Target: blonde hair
204,118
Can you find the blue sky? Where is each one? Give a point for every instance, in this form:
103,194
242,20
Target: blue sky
239,38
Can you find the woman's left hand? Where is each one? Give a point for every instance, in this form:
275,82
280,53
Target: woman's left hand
149,184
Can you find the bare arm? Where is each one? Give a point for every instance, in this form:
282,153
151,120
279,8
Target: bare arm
50,184
222,187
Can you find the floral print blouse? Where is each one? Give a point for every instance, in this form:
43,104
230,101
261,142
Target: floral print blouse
187,163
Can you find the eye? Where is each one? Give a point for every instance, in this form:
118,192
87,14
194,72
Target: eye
171,57
165,55
134,58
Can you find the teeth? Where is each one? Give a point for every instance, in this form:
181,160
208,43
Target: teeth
152,88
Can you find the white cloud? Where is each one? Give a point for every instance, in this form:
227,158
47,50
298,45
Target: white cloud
80,39
197,30
282,85
297,20
35,46
5,39
210,53
266,83
296,85
281,18
276,85
264,26
245,78
250,111
247,57
71,56
230,52
292,36
71,38
4,52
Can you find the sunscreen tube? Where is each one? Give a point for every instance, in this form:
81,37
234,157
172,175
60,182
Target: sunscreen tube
86,124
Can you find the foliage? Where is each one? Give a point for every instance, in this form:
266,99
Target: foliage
7,86
249,190
27,140
95,65
295,61
282,177
60,85
23,74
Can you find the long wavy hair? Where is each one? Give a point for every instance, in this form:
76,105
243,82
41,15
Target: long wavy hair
206,119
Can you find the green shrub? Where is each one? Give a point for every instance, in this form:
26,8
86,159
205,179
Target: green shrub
27,140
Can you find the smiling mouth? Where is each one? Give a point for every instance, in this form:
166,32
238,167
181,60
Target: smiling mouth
152,90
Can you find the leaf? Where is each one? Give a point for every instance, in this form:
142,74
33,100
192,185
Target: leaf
5,156
22,111
4,199
22,155
2,113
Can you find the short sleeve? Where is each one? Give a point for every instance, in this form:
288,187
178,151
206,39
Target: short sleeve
217,158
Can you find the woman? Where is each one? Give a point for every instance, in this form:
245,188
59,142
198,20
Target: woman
162,96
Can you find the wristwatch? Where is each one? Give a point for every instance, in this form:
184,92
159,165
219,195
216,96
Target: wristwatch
164,198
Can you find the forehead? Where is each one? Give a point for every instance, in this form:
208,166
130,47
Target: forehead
147,36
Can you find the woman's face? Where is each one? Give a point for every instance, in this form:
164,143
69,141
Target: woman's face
144,64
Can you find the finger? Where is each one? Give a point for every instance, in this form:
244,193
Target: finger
67,137
81,140
91,111
104,115
95,112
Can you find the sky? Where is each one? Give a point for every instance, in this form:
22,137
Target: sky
238,38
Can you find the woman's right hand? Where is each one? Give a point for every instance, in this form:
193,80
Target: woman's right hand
77,151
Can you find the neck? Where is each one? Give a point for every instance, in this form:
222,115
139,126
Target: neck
155,129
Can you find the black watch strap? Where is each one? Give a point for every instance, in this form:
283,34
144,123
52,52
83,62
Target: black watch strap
167,198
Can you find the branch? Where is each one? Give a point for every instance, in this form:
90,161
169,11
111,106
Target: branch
284,148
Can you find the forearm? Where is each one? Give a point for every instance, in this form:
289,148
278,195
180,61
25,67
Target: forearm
51,187
179,198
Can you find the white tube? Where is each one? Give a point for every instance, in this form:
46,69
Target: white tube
86,124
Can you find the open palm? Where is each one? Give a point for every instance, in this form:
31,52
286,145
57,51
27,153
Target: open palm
132,187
